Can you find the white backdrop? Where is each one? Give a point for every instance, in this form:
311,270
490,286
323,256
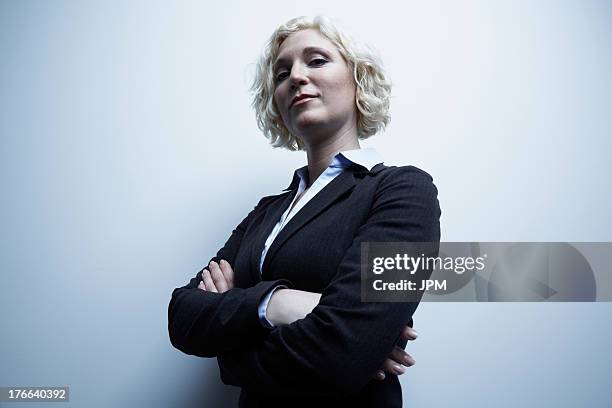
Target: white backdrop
129,152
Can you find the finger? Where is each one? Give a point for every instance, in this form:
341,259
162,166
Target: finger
228,272
208,282
201,285
409,333
217,277
401,357
391,367
380,375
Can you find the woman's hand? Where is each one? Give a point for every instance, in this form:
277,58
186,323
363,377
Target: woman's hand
220,278
398,357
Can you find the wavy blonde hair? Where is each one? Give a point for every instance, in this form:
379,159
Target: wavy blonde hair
373,85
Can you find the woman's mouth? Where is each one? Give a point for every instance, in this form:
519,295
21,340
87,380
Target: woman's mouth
303,101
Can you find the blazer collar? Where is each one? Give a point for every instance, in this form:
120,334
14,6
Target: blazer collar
360,161
322,200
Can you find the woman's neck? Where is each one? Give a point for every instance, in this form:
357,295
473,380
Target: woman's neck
319,157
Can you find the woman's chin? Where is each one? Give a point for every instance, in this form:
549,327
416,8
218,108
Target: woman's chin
308,122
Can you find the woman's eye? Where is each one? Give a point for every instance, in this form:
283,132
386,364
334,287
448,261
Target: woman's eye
281,76
318,61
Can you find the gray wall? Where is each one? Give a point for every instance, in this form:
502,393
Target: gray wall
129,152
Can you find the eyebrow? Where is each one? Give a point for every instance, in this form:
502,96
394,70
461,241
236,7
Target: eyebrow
306,50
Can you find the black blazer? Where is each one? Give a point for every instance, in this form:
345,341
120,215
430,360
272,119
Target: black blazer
329,357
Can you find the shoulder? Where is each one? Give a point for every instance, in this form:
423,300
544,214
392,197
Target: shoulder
266,201
407,179
404,171
274,197
406,196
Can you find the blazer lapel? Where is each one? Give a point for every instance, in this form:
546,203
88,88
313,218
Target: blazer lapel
271,217
324,198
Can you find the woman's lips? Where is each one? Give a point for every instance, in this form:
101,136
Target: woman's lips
304,100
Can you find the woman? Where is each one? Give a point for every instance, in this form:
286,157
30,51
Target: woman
279,305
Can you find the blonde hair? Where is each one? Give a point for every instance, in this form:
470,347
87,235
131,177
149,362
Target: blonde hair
373,85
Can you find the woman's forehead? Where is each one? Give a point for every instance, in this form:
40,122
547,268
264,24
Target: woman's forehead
308,38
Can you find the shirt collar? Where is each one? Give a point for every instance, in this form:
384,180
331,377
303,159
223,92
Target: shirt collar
366,157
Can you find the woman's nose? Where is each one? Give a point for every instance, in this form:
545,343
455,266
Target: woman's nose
298,75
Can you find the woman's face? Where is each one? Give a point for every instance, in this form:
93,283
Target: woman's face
309,64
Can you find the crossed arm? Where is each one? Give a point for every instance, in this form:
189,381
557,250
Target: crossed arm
289,305
335,347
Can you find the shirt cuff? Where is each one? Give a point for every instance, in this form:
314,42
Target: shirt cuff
263,307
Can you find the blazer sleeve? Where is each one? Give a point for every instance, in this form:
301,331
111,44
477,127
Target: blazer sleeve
206,324
336,349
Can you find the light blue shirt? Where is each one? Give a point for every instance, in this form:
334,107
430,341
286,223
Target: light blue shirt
367,158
